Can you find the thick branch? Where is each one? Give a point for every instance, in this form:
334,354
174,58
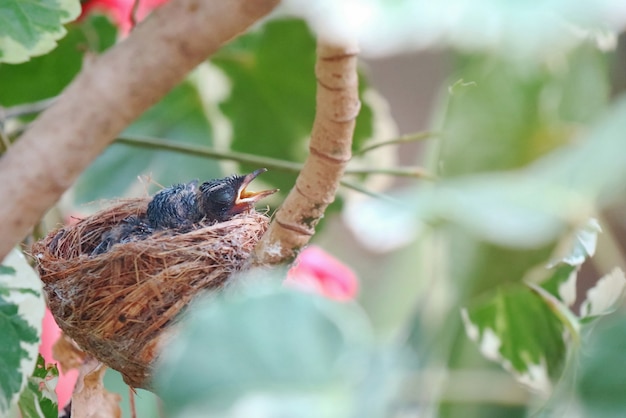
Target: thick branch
330,150
111,91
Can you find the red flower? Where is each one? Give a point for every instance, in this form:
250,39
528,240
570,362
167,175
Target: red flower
121,11
317,271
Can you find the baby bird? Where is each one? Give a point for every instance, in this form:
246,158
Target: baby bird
132,228
183,205
175,207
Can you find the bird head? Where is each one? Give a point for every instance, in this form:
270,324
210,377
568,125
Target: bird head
221,199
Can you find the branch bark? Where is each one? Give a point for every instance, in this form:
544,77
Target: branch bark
330,150
111,91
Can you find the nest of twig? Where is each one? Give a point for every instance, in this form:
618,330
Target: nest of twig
118,305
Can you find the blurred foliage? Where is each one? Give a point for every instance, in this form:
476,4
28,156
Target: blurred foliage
228,358
602,375
31,28
503,117
504,208
524,32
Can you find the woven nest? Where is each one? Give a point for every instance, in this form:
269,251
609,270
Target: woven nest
119,305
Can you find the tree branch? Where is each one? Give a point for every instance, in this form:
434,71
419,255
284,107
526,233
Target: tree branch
111,91
330,150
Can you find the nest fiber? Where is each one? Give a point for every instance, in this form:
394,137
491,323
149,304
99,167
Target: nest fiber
119,305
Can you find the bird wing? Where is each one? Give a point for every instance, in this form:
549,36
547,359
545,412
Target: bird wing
174,207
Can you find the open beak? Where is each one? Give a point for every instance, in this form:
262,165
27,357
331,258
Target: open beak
246,199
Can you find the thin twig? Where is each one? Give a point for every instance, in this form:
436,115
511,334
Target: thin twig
202,151
416,172
131,401
4,140
16,112
244,158
417,136
133,14
359,188
26,109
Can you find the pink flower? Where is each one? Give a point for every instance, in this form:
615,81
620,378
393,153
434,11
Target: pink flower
121,11
319,272
67,380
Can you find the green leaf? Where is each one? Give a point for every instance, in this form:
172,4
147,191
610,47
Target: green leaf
46,76
273,346
272,102
516,328
602,375
30,28
604,297
179,117
21,312
561,283
39,399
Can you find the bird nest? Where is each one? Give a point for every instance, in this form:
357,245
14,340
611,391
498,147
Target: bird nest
118,306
